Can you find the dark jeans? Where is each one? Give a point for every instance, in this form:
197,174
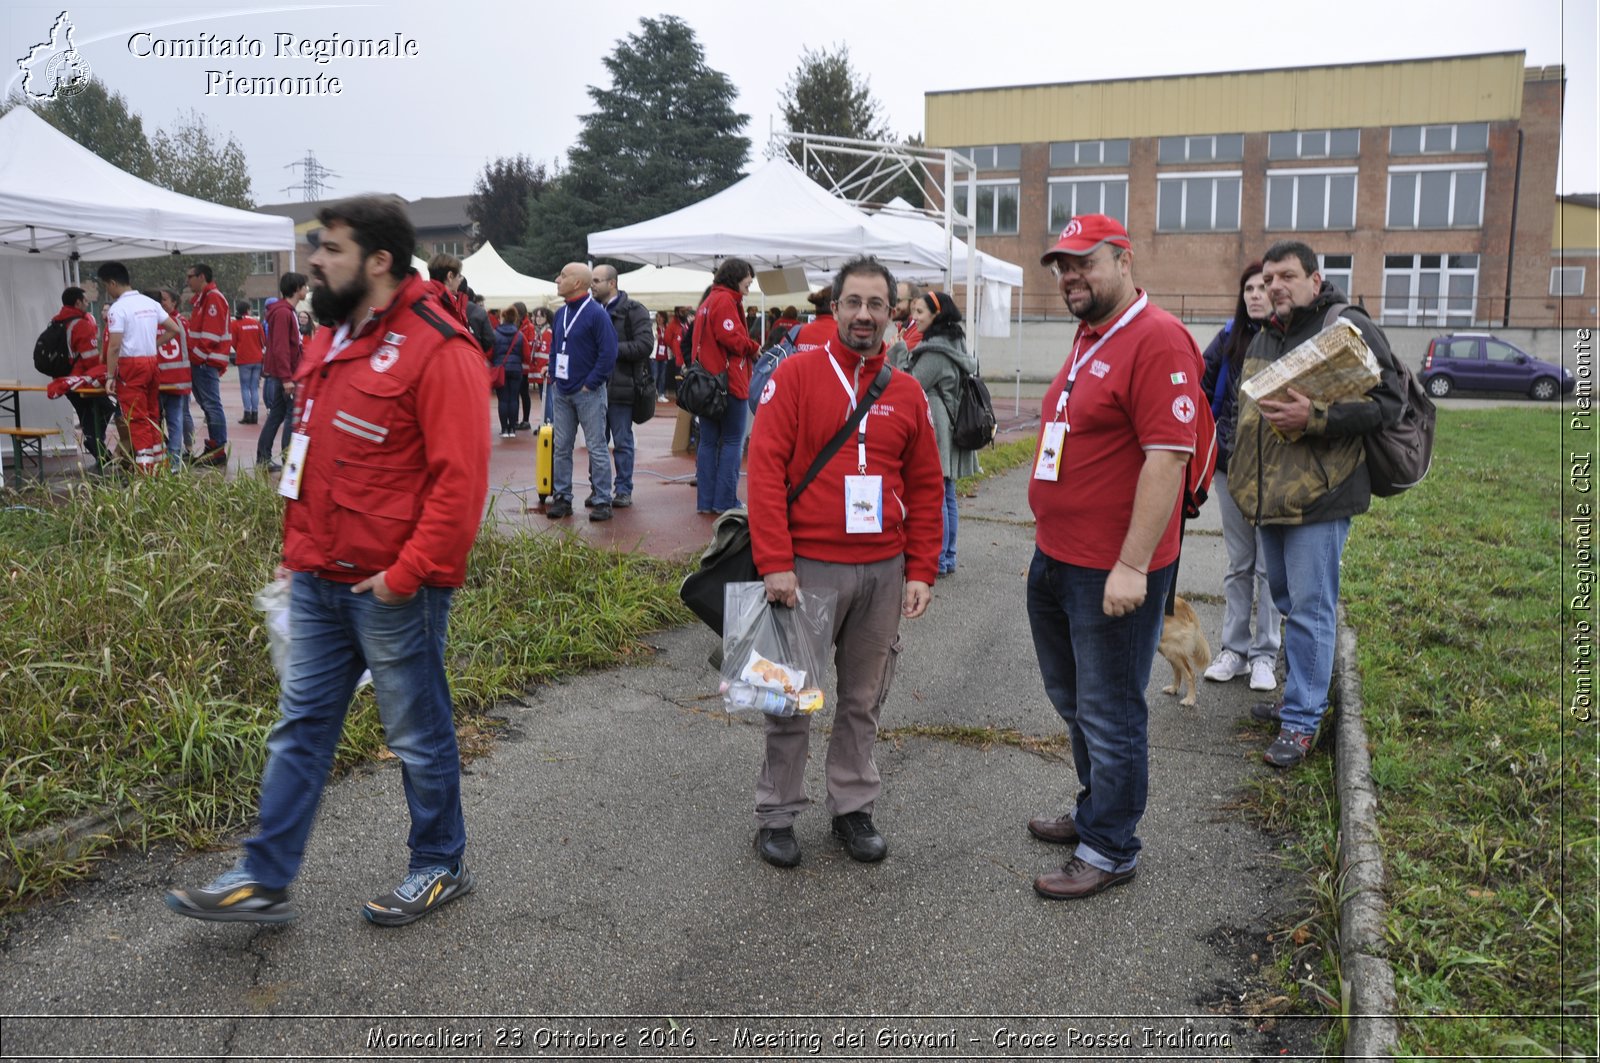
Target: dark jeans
509,394
526,394
279,409
95,413
1095,670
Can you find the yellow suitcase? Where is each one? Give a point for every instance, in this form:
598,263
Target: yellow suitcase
544,461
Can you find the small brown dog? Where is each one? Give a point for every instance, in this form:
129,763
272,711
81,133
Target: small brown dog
1184,646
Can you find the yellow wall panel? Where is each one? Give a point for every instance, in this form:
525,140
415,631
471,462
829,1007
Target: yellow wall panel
1577,228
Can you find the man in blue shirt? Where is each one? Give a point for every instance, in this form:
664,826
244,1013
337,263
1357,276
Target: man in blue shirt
583,351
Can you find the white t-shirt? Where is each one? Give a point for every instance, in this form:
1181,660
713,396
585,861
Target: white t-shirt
138,319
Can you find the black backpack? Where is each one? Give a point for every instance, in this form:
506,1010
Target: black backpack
50,354
1398,457
975,422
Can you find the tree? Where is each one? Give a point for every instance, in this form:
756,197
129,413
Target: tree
662,136
191,159
499,201
100,120
826,96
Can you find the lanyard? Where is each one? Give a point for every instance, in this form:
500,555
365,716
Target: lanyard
1078,361
861,430
568,317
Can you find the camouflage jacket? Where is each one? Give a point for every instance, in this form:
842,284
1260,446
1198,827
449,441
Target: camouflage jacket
1322,475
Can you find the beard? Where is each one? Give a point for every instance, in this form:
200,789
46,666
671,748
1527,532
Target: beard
1098,306
331,305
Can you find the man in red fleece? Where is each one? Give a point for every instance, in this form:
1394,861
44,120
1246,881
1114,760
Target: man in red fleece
869,527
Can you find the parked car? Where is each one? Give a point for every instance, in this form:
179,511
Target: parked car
1477,361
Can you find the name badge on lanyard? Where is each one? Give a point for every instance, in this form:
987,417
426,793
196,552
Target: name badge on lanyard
863,494
294,463
568,320
1053,440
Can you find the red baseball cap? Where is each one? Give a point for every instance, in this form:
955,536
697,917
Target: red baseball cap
1086,232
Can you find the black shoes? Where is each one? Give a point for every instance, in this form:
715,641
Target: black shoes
601,511
861,839
558,508
622,501
777,846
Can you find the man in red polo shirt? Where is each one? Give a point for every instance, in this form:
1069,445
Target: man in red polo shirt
1118,427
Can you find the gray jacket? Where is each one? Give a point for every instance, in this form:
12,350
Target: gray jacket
937,363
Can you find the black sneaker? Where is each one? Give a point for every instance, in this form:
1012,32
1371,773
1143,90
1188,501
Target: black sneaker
1267,711
420,893
601,511
233,897
622,501
861,839
558,509
778,846
1289,748
523,426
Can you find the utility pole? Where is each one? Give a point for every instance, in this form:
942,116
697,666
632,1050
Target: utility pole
312,182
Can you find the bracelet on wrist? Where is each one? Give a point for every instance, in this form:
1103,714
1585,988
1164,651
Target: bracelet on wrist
1141,571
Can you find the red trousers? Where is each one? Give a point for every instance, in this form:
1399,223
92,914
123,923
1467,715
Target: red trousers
139,395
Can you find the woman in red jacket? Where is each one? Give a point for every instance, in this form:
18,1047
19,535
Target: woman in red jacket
721,342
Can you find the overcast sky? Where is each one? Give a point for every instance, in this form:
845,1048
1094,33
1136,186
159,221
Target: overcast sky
494,77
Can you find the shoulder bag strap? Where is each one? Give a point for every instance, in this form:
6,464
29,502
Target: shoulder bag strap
879,383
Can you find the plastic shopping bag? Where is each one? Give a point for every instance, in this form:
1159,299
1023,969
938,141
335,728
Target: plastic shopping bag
774,658
273,602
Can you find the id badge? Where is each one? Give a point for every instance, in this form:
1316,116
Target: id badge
1048,465
294,465
561,365
863,504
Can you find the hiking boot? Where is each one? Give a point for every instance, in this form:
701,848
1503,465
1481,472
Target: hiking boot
1267,711
1289,748
1228,665
1079,878
1262,676
590,502
778,846
601,511
558,509
622,501
861,839
420,893
233,897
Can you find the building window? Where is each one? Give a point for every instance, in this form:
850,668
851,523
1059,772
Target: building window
1307,200
1315,144
995,156
1206,202
1070,196
997,206
1433,290
457,248
1567,280
1222,147
1065,153
263,262
1428,197
1466,137
1336,270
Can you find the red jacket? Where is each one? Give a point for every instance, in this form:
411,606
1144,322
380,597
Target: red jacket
210,340
172,365
814,335
246,333
721,340
282,356
910,334
900,447
81,339
397,467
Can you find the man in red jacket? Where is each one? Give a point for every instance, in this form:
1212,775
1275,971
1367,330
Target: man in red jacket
386,481
210,343
870,527
95,412
280,360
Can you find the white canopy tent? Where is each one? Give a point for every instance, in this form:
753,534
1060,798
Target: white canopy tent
493,278
901,217
59,203
667,287
776,217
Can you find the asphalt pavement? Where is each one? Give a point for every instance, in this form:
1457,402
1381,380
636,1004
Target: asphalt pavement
620,910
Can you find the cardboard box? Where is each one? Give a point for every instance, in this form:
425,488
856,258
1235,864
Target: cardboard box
1333,365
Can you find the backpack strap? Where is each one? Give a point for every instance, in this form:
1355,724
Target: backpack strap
879,383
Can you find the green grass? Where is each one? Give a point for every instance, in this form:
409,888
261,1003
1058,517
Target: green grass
997,460
134,669
1486,787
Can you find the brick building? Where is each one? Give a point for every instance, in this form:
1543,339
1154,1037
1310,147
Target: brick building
1426,184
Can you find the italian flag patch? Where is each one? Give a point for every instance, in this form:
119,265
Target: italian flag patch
1180,378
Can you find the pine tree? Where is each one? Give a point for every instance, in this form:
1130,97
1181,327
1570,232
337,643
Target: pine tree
662,136
500,198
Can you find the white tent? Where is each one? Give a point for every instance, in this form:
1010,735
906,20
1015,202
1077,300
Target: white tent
775,217
667,287
493,278
60,202
900,217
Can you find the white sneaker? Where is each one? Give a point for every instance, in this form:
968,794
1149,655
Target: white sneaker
1261,674
1228,665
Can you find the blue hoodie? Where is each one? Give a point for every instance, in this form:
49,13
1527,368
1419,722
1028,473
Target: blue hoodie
583,330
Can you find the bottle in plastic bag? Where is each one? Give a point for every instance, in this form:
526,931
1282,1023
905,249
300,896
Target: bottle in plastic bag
762,699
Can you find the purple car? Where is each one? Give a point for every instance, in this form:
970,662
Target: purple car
1477,361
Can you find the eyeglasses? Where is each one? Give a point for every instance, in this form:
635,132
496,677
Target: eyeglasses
854,304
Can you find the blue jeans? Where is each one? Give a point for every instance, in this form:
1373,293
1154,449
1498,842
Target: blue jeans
180,426
619,429
1095,669
334,635
587,408
663,371
1303,572
947,555
280,412
208,393
249,384
1244,585
716,459
509,396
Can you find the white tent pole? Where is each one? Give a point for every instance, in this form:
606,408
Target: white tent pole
1017,405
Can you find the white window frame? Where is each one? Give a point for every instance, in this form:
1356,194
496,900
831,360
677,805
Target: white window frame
1105,178
987,156
1559,290
1299,144
1440,316
1347,272
1076,150
268,259
1188,148
1455,135
1416,196
1183,211
458,248
1325,172
994,182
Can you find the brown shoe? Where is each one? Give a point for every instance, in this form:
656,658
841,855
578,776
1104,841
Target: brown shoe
1060,830
1078,879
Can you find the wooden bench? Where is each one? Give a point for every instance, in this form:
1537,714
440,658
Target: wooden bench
27,443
